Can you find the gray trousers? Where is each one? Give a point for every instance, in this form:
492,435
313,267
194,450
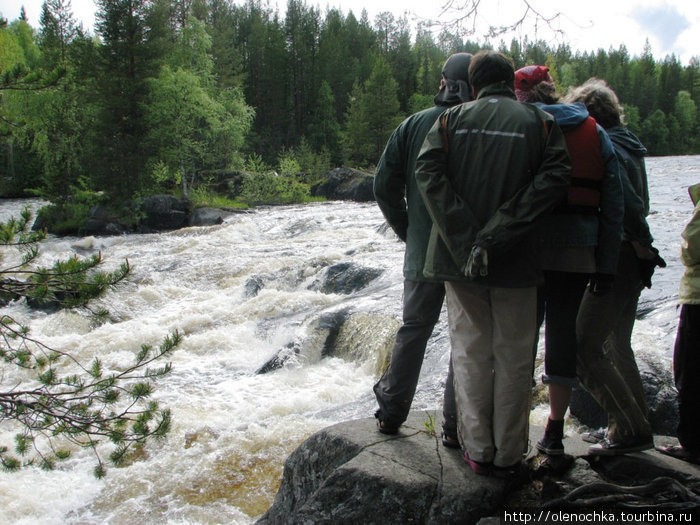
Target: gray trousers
422,303
492,331
606,366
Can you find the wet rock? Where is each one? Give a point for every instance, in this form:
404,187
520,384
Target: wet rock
207,217
279,359
350,473
162,213
346,184
253,286
345,278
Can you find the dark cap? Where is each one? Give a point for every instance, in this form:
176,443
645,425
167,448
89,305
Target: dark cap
455,87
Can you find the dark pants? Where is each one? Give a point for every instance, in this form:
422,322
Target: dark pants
558,301
422,303
686,368
607,368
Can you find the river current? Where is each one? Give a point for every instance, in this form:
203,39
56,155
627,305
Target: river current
241,293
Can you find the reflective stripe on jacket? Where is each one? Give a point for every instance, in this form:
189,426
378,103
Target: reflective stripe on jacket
488,171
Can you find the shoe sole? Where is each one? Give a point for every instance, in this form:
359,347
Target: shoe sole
600,451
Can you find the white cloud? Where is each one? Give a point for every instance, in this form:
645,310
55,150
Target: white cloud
671,26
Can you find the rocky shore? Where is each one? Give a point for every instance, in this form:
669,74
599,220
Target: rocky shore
350,473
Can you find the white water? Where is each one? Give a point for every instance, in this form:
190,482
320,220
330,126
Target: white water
233,428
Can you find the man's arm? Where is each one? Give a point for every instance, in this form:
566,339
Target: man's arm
390,185
454,221
519,215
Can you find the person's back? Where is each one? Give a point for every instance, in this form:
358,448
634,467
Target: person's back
631,153
578,243
607,367
398,197
501,144
488,170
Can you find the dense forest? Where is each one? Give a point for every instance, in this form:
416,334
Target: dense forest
166,93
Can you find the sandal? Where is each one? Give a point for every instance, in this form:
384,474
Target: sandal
679,452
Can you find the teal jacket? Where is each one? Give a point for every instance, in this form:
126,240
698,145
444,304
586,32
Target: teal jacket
488,171
630,153
397,194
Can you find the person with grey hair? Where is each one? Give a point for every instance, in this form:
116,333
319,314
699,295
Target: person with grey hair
606,364
398,198
487,171
579,242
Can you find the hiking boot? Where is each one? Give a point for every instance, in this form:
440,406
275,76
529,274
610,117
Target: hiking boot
551,444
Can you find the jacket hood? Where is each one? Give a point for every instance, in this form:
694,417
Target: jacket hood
624,138
453,92
568,116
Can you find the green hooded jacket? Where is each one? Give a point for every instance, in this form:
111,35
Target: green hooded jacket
397,194
487,171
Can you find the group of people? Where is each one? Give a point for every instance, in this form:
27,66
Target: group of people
519,208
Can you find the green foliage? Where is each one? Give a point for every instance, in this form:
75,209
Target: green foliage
69,402
373,113
255,164
271,188
418,102
66,217
202,197
430,424
167,91
288,164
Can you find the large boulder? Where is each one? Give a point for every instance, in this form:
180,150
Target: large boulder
350,473
346,184
162,213
207,217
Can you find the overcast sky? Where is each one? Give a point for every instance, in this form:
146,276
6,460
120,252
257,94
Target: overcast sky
672,26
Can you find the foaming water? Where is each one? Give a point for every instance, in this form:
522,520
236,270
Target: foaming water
242,293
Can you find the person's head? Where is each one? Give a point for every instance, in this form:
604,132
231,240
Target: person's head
490,67
454,86
600,100
535,84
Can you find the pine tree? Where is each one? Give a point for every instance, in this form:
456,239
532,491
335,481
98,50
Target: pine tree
60,403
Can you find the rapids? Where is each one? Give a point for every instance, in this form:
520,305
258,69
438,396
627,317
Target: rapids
241,293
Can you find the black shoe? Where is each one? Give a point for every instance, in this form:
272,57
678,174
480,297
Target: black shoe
552,446
384,426
551,443
617,448
449,440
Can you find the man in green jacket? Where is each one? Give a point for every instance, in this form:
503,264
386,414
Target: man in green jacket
397,196
488,170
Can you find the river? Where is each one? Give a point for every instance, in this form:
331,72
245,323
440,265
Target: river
241,292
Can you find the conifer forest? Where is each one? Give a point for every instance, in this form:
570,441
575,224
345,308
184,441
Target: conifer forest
164,93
